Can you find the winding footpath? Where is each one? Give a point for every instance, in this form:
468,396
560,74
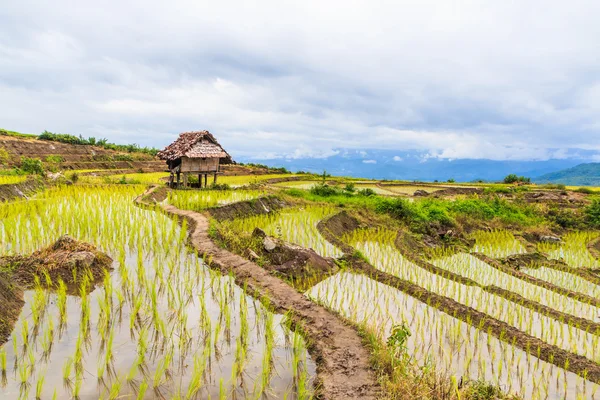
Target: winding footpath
343,369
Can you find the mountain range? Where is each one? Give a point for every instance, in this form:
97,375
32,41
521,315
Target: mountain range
415,165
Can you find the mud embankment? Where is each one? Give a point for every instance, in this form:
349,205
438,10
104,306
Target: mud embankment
67,260
21,190
343,368
242,209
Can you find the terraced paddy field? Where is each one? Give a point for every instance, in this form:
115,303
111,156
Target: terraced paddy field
160,325
453,321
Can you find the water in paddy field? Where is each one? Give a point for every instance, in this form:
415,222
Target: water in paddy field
446,343
160,325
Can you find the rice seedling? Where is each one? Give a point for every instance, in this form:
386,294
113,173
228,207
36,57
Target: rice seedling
572,250
155,280
298,226
201,200
497,244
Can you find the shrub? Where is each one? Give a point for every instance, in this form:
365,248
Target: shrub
323,189
220,186
74,177
122,157
367,192
451,180
350,187
54,159
32,165
3,156
585,190
592,213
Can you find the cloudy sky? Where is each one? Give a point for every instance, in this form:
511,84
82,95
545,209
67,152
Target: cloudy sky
458,79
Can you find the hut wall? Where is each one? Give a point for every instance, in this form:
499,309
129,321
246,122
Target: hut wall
199,164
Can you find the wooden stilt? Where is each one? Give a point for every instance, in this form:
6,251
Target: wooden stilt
205,180
178,178
215,180
200,181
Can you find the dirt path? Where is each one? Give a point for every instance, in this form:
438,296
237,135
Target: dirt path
343,369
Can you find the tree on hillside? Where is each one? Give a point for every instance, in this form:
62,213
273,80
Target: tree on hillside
513,178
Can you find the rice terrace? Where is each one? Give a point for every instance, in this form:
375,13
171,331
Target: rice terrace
126,273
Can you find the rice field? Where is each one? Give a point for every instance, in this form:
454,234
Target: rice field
198,200
573,250
160,325
12,179
452,346
497,244
297,226
377,246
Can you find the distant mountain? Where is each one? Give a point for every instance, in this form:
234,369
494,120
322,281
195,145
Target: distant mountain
580,175
415,165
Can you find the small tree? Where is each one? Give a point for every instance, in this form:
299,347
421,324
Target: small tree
32,165
592,212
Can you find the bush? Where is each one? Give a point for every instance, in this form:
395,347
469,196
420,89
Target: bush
74,177
54,159
323,189
592,213
350,187
122,157
451,180
367,192
3,156
220,186
585,190
32,165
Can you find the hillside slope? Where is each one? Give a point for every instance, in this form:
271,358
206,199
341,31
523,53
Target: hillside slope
75,156
580,175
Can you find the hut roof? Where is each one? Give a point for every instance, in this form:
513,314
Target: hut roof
196,144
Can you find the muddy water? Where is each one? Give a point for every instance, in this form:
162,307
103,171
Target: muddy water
388,259
448,344
188,316
565,280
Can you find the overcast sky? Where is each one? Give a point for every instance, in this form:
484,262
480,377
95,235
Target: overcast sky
459,79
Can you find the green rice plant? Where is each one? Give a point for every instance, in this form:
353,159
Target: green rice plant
38,387
298,226
497,243
201,200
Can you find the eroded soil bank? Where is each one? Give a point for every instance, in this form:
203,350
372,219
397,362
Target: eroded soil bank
20,190
67,260
343,368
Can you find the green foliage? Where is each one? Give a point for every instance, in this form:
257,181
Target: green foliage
367,192
350,187
565,218
585,190
555,186
580,175
513,178
324,190
273,170
451,180
54,159
482,390
220,186
122,157
3,156
92,141
32,165
4,132
74,177
592,213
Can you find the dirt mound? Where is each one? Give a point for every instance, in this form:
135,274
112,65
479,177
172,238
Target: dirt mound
67,259
20,190
530,260
455,191
556,197
294,263
262,205
333,228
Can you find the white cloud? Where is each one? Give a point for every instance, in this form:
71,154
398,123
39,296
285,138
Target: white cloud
302,80
397,158
369,161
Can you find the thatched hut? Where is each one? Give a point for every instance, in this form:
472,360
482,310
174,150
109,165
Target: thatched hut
194,153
